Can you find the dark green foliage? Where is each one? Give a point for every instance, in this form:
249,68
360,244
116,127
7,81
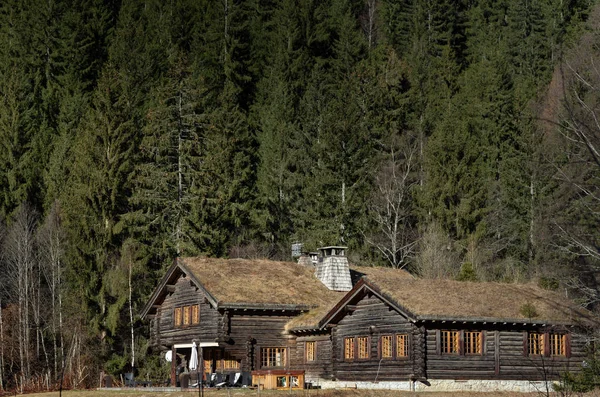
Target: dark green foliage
467,273
238,127
528,310
585,381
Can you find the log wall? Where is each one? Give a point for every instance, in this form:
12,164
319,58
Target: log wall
185,294
321,367
372,318
249,333
502,358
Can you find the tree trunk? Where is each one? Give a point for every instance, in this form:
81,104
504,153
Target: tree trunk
1,350
131,320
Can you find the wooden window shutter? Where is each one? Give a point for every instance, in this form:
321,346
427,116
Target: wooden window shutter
525,345
546,344
568,345
483,349
438,342
461,343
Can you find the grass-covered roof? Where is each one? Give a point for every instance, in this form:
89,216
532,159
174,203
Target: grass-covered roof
269,283
259,281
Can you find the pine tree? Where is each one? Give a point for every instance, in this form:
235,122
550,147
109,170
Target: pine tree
169,149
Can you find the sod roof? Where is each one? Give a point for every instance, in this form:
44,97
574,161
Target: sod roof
449,299
269,283
260,282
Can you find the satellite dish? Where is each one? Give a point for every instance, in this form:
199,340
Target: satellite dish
169,356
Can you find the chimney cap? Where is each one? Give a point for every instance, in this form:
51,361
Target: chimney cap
333,250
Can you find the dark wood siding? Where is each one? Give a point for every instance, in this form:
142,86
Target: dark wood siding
249,333
502,358
185,294
514,364
319,368
460,366
370,317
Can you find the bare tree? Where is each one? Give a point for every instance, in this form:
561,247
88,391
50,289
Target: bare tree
390,208
20,261
369,23
436,258
580,127
2,235
51,240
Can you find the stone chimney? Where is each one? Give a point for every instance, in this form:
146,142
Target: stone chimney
333,270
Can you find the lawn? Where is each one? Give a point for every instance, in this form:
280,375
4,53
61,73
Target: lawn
272,393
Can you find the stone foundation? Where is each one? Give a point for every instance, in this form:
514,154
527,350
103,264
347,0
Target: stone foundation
520,386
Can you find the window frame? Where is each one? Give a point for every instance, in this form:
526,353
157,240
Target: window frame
535,344
562,344
449,342
466,345
177,316
547,343
186,316
389,337
195,317
265,356
459,340
363,342
310,354
405,346
349,348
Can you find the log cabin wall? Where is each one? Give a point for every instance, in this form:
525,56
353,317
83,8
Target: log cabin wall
371,318
249,333
321,366
503,357
458,365
186,294
515,363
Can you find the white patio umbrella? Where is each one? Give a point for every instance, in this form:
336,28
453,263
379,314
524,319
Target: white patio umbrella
194,358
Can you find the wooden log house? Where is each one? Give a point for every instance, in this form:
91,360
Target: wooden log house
325,323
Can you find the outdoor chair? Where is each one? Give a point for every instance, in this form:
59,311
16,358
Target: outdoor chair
235,380
211,379
221,380
129,379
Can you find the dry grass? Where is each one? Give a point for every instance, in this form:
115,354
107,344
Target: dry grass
260,281
304,393
468,300
270,282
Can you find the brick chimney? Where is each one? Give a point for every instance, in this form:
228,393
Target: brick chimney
333,270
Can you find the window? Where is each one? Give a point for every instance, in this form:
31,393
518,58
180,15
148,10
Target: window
557,345
310,349
187,315
402,345
282,381
196,314
349,348
363,347
535,343
273,357
449,343
472,342
177,316
385,346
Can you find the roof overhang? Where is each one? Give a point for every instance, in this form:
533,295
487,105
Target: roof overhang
167,283
264,307
494,321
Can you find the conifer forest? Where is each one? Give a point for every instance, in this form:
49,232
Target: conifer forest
454,139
